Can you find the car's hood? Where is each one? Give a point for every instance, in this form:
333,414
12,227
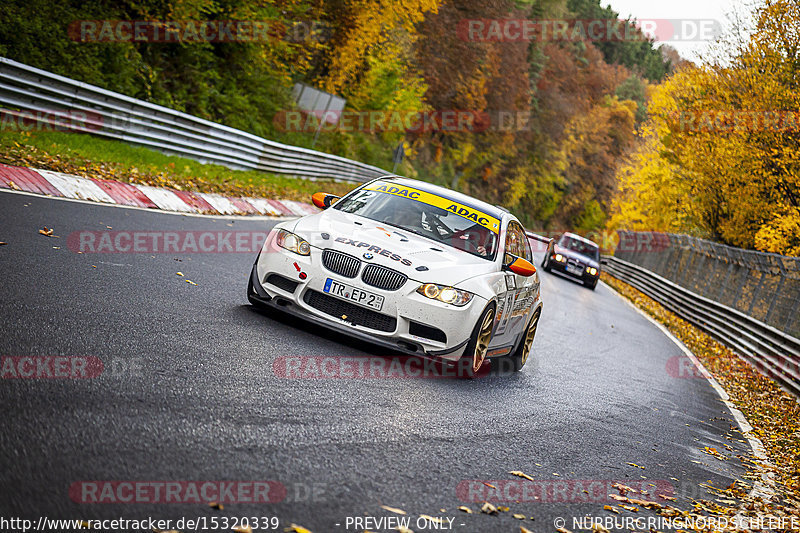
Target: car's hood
571,254
419,258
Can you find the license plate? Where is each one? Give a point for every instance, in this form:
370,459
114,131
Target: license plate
575,270
346,292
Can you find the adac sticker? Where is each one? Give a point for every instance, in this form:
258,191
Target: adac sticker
487,221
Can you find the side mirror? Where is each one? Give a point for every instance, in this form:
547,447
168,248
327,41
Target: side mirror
323,200
519,266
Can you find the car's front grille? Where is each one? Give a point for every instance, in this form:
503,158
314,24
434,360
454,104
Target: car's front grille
340,263
281,282
428,332
383,278
352,313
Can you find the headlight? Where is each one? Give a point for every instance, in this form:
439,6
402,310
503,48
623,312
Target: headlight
593,271
293,243
559,258
448,295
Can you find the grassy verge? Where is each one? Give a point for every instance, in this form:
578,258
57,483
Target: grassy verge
92,157
773,413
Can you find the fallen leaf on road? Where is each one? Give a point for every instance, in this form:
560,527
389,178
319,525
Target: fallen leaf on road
503,509
563,530
432,519
521,474
637,466
623,489
665,497
294,528
179,273
524,530
488,508
404,529
612,509
216,505
190,282
243,529
618,497
599,528
489,485
47,232
3,243
518,516
628,508
393,509
465,509
646,504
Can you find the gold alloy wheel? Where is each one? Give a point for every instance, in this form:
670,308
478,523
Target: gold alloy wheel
529,335
482,346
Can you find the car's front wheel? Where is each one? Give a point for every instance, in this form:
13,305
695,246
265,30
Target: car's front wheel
478,345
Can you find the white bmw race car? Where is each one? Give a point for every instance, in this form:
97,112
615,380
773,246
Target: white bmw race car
409,266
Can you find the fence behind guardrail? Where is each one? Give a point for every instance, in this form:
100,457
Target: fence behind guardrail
762,285
41,95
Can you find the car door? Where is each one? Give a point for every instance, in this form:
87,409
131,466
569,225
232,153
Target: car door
513,305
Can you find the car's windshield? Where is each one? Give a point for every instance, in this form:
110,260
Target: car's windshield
582,247
415,216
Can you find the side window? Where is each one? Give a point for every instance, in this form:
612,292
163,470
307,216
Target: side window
516,240
528,252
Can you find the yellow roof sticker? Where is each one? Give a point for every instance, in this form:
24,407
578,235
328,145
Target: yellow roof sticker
487,221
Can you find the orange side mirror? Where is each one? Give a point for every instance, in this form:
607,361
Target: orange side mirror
323,200
522,267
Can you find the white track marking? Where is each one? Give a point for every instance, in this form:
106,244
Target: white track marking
165,199
220,203
263,206
147,209
75,187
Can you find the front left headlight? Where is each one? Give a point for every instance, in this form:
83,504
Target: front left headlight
293,243
448,295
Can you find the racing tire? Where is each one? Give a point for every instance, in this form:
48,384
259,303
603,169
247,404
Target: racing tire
590,284
517,360
546,263
478,346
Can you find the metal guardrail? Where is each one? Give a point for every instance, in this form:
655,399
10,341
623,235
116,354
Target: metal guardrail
770,350
40,95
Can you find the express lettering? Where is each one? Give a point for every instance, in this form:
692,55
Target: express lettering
414,195
374,249
466,213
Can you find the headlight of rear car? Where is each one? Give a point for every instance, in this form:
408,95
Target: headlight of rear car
560,258
448,295
293,243
592,271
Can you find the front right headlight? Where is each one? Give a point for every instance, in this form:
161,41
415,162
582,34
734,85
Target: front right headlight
448,295
293,243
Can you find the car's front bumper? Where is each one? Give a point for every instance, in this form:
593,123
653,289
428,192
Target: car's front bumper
405,306
561,267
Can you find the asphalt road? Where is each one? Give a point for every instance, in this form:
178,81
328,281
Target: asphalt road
188,393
